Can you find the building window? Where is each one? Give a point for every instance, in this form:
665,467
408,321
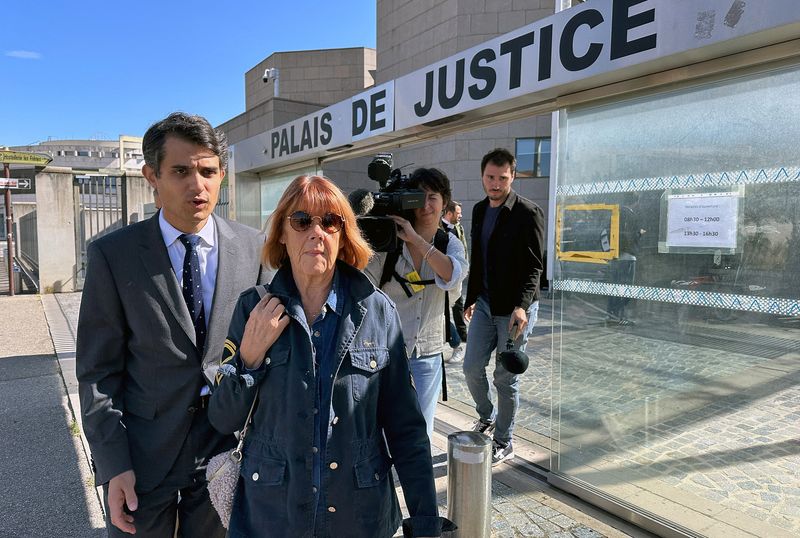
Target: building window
533,157
83,153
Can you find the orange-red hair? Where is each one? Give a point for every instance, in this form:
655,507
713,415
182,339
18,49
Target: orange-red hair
316,195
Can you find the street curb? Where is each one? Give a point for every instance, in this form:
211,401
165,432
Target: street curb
64,339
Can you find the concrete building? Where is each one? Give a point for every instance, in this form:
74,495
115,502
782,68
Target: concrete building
679,414
91,155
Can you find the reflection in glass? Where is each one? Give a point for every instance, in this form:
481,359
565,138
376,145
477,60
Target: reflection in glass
677,370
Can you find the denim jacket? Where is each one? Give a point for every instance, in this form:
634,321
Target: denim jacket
372,399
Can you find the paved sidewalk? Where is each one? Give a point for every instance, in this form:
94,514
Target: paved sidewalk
46,482
522,505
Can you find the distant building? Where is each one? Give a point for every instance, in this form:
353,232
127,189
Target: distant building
91,155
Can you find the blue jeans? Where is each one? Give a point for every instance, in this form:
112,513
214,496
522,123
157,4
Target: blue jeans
427,374
486,334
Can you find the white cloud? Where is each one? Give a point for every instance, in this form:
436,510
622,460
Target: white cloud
24,54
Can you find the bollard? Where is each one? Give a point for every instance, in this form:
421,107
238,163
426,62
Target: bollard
469,484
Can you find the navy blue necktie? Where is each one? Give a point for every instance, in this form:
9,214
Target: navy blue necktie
192,287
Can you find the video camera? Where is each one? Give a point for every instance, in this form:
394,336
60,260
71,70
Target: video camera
395,196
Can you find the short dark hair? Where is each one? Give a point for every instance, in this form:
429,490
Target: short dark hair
499,157
451,206
433,179
192,128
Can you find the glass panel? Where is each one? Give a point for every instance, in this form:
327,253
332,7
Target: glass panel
525,157
677,360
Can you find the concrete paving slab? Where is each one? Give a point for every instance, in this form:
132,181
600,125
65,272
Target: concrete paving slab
47,484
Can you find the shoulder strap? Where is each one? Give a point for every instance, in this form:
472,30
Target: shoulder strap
440,240
388,266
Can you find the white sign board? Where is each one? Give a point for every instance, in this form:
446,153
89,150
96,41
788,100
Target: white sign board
365,115
14,183
706,220
590,39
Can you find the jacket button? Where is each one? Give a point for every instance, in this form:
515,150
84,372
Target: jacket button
267,360
255,476
192,409
313,489
314,449
331,509
334,465
335,420
377,476
373,364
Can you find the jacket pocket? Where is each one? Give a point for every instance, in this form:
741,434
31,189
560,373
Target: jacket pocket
277,355
263,471
139,407
366,362
372,471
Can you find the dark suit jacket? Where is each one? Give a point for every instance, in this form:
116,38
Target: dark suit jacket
138,368
515,255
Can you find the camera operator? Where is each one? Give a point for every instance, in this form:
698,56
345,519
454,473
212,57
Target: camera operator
438,266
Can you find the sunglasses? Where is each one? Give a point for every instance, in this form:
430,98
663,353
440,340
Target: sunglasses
330,223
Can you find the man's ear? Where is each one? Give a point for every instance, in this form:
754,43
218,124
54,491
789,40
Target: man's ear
150,176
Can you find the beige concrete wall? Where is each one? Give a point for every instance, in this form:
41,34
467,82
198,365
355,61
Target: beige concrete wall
320,77
55,227
139,193
414,34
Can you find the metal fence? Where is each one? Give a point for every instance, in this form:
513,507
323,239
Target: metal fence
100,208
223,203
29,241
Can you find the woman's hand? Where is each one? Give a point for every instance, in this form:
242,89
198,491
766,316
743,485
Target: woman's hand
265,324
406,232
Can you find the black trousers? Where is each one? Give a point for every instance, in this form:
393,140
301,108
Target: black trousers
458,319
182,497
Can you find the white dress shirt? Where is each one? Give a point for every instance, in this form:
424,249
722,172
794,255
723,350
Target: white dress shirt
422,314
207,252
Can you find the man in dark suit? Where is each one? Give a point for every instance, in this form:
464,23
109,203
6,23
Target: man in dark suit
451,221
157,301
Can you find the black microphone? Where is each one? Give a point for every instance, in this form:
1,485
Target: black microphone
361,201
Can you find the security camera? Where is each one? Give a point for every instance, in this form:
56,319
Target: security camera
270,73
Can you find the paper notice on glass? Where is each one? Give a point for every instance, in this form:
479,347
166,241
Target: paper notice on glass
706,220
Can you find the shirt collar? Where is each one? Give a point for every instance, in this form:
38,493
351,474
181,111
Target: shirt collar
170,233
333,303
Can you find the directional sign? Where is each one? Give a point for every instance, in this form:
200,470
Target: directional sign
24,157
13,183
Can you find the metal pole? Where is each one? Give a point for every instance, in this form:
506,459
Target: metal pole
9,232
469,484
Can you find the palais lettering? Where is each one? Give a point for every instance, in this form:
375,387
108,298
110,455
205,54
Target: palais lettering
298,137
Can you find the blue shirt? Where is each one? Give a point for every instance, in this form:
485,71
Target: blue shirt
489,220
323,338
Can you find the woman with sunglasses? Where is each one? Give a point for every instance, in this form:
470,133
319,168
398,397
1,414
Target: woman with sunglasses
422,306
324,354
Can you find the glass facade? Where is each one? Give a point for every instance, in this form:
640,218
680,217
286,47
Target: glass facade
676,357
533,157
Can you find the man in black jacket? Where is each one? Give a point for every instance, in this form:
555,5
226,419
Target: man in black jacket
502,294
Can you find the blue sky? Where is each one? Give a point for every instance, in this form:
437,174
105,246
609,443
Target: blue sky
98,69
